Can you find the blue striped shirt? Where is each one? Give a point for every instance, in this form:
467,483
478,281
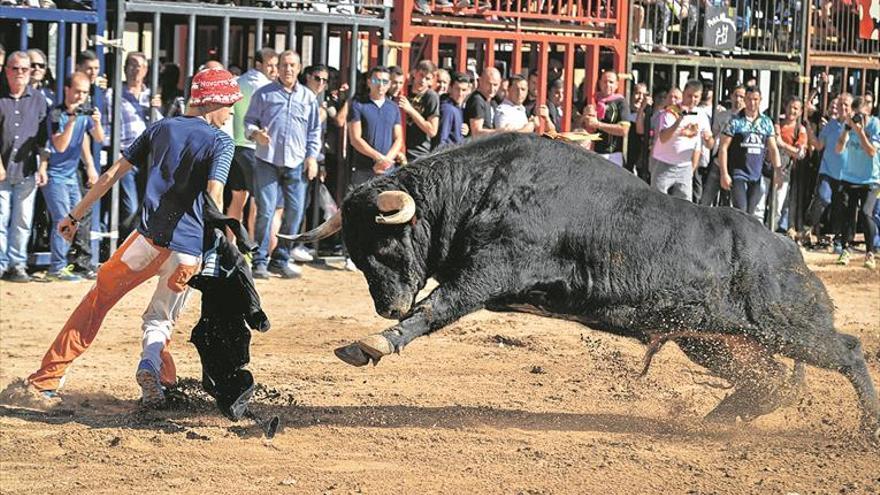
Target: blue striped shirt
135,113
186,153
290,118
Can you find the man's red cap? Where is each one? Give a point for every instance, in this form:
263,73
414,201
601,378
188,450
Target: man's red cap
214,86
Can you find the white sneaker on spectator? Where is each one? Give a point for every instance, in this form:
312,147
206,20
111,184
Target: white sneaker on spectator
349,265
301,254
296,269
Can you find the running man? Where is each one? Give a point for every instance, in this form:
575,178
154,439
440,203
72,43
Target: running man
191,157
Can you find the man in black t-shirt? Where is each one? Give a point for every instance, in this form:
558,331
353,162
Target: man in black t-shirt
479,110
422,109
611,118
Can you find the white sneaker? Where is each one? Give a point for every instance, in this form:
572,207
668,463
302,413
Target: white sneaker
350,266
301,254
297,269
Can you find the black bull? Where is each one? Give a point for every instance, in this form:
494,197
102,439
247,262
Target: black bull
521,223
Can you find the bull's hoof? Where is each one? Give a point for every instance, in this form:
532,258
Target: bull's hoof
360,353
721,417
352,354
376,345
750,403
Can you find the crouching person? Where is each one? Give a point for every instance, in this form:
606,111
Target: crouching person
230,310
190,158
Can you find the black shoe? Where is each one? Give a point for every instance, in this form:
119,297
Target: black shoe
261,273
86,272
284,271
17,274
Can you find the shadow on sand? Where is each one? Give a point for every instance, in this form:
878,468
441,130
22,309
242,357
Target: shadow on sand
189,407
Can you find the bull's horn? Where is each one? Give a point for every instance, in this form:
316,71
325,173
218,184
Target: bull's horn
398,201
323,231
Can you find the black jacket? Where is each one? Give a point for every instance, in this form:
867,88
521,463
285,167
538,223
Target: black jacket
230,310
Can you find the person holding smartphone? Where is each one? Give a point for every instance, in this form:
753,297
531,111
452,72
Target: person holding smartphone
677,146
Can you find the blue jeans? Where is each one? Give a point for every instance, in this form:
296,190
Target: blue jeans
745,194
16,217
825,190
269,182
60,197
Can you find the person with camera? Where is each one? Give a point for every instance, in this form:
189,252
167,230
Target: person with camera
859,178
830,167
80,255
682,132
69,122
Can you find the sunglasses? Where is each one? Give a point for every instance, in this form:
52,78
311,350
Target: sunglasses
385,82
320,79
37,65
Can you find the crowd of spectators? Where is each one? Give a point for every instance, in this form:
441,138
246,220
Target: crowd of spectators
812,173
676,26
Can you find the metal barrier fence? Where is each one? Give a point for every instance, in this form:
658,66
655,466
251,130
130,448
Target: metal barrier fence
841,27
71,31
720,27
564,18
776,83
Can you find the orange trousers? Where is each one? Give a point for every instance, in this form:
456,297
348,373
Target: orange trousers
136,261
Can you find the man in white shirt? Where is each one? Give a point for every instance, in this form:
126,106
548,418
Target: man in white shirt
677,149
511,114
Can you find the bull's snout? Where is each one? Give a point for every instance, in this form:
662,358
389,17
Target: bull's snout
394,309
393,313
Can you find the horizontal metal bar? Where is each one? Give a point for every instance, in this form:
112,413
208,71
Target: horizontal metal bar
273,15
49,15
724,63
575,11
415,30
850,60
509,25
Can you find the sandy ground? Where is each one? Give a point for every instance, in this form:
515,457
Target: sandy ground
496,403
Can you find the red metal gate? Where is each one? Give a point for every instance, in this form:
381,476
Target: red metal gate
576,37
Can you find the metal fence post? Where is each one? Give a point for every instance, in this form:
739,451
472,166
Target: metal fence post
117,132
